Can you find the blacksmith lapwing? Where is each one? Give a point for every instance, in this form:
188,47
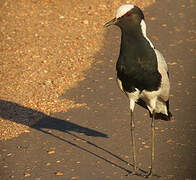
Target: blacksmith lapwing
142,72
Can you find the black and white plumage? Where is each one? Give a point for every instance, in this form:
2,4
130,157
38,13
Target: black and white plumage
142,72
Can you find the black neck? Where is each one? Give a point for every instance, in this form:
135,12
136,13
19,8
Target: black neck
132,34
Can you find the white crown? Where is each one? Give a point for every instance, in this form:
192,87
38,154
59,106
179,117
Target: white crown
122,10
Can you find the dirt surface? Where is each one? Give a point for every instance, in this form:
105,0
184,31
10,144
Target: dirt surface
93,141
45,48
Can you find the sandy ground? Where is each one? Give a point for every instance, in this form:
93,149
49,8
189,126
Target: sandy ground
45,46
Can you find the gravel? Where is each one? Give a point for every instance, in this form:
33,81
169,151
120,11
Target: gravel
45,48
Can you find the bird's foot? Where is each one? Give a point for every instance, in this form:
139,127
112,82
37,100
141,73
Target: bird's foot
148,174
135,172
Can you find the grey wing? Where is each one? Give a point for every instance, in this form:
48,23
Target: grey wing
161,61
163,69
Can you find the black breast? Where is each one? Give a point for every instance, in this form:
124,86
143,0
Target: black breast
137,66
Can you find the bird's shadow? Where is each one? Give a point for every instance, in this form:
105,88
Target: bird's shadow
23,115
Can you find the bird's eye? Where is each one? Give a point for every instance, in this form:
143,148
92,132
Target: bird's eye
128,14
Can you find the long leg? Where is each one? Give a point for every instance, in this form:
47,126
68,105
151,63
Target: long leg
153,145
132,127
133,98
153,140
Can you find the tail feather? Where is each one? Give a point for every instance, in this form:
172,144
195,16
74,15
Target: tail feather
163,116
166,116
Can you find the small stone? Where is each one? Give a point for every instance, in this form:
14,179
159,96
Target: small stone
164,25
155,37
170,141
48,164
174,155
27,174
153,18
172,63
146,146
48,82
27,131
85,21
51,152
58,173
61,17
74,177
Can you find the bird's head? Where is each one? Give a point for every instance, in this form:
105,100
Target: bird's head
128,17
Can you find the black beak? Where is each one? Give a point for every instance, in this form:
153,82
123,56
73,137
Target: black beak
112,22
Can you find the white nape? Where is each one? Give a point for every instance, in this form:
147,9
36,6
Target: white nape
143,27
122,10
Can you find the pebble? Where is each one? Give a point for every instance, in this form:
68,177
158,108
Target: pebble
164,25
170,141
27,174
153,18
85,22
51,152
61,17
48,164
58,173
146,146
48,82
172,63
75,177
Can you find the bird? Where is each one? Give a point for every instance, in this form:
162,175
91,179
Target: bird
142,74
